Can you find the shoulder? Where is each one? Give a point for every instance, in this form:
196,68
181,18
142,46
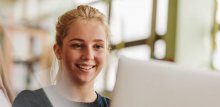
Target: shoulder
104,101
26,95
25,98
107,100
29,98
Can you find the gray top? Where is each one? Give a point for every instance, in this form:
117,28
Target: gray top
49,98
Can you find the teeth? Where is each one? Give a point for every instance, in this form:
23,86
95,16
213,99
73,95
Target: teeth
85,67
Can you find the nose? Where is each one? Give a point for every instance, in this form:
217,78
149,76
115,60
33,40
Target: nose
87,54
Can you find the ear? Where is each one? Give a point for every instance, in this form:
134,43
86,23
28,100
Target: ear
57,51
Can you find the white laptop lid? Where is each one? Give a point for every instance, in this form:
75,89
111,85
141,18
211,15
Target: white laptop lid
164,84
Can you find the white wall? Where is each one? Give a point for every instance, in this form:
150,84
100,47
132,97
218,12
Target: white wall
194,26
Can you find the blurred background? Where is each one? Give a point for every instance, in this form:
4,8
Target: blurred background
186,32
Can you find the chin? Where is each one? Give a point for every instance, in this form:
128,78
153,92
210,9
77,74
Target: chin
85,80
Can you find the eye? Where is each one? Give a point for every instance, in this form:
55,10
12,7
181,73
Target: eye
98,46
77,45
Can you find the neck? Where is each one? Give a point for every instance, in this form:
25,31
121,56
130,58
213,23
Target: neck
76,92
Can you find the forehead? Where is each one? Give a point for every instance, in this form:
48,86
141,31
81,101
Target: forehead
87,30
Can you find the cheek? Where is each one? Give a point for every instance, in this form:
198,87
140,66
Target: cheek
68,62
69,58
69,54
101,58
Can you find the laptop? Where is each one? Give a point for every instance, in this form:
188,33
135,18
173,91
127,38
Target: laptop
164,84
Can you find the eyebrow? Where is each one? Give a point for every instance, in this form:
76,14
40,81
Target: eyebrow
81,40
76,39
98,40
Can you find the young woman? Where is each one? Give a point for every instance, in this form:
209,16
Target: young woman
81,48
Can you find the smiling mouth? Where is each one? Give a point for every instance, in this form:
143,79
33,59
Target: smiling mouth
84,67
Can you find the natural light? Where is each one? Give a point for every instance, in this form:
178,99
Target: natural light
131,20
162,16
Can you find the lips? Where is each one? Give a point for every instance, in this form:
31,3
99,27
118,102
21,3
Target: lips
85,67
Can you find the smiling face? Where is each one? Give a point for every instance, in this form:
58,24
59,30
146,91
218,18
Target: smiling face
84,49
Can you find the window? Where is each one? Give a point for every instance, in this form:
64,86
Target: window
216,54
140,31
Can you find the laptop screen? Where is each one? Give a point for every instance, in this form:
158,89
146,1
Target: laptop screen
164,84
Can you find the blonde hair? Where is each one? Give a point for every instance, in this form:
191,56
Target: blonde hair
83,12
